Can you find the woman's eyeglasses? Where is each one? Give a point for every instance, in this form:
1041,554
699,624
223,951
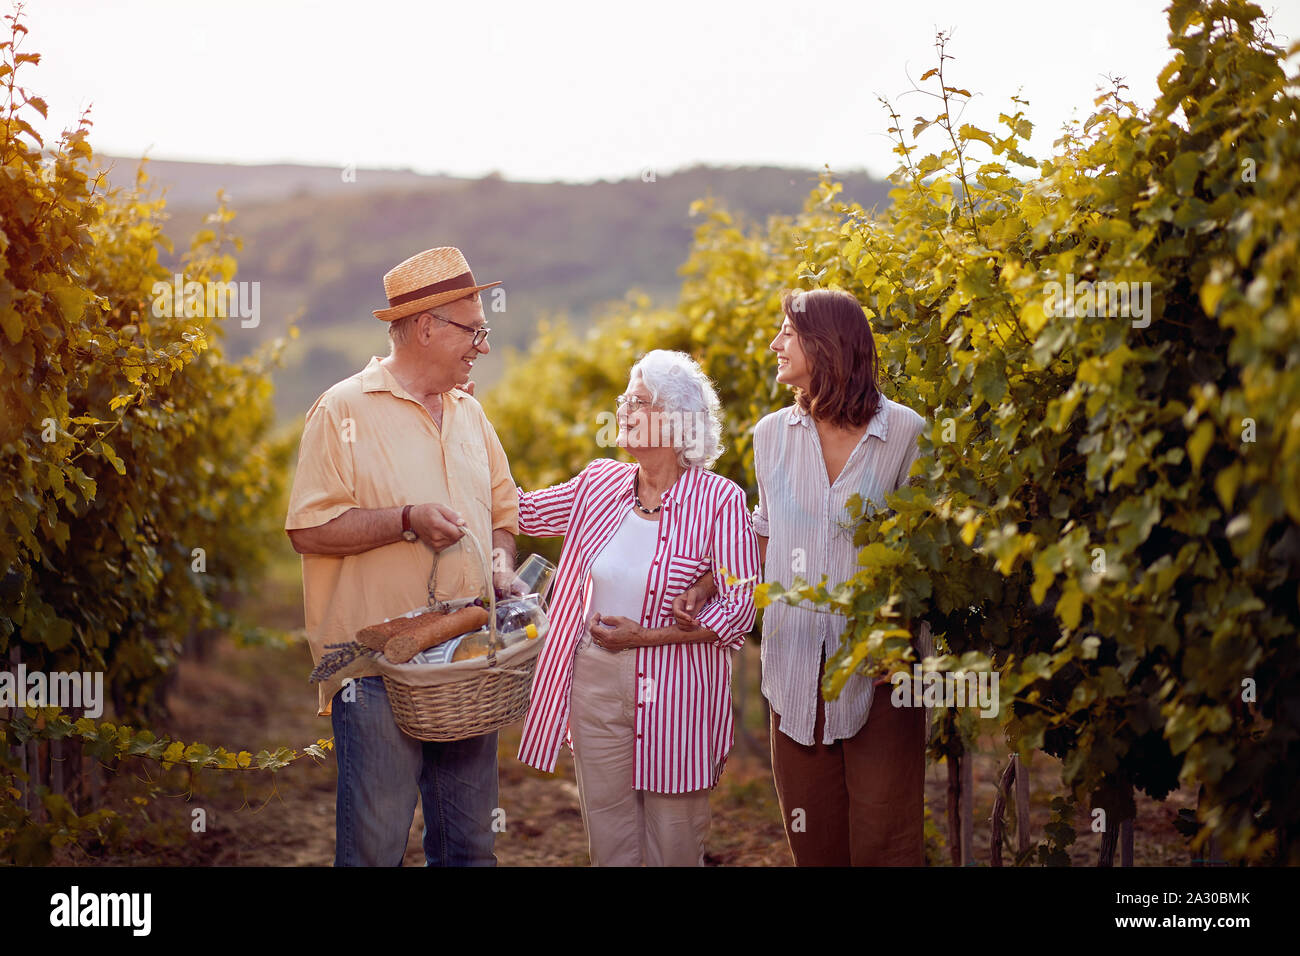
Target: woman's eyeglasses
632,403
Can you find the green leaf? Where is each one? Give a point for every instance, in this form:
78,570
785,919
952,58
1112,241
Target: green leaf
1186,167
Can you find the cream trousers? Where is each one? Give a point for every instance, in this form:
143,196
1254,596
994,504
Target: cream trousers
625,827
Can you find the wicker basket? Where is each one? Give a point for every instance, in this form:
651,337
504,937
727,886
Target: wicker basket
464,699
441,702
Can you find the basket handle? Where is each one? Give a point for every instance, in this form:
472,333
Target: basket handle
486,568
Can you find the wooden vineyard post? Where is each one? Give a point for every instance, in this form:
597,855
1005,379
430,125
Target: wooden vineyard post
967,810
1022,806
39,763
1114,835
1209,856
1106,855
1015,775
997,820
960,808
23,750
954,801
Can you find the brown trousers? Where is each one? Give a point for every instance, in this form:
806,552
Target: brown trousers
862,799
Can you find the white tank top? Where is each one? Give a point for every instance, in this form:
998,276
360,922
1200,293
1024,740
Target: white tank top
620,572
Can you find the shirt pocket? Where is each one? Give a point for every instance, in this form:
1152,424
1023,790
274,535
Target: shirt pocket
683,571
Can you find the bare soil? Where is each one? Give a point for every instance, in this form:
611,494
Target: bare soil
258,697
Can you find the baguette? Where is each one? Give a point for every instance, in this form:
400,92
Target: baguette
441,629
377,636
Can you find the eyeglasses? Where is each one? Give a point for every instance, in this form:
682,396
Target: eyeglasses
479,334
632,402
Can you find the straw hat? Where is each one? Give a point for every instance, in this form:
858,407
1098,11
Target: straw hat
430,278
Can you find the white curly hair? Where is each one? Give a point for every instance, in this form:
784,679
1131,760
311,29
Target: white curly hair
691,412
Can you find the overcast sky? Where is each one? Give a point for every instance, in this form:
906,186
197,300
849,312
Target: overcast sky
577,91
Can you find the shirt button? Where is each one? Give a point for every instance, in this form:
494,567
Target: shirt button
638,736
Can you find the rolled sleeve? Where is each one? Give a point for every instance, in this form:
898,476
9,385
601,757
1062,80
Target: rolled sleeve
759,517
546,513
901,479
324,484
916,425
730,612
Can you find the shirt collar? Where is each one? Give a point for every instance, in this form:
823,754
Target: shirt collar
376,378
685,485
879,425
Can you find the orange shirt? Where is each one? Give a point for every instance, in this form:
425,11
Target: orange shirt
368,443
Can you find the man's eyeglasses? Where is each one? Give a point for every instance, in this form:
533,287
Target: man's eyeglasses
632,402
479,334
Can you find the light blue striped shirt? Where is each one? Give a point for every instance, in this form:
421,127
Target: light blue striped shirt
809,533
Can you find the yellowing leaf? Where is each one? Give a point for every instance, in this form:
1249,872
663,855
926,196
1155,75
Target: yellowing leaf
1226,483
1199,443
1069,609
173,754
12,323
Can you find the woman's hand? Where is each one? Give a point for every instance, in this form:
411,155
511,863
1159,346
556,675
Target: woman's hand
691,600
615,633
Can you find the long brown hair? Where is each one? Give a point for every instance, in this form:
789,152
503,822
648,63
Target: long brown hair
841,351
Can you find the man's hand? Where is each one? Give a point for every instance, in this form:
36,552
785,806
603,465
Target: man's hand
691,600
615,633
507,585
437,525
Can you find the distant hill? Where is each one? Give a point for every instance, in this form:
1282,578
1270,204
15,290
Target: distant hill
319,244
196,184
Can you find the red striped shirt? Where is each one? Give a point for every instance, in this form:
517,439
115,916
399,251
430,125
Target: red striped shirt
684,726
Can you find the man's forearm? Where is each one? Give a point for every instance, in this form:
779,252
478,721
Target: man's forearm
503,550
354,531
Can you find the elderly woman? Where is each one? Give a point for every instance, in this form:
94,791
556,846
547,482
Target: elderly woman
646,703
855,766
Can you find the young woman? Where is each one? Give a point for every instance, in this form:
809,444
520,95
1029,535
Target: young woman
849,772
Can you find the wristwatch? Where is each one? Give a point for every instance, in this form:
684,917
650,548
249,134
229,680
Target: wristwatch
407,532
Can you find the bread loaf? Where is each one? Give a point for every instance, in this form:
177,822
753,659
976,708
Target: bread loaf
443,627
377,636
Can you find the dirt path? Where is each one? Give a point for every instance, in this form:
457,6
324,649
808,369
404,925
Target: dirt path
254,698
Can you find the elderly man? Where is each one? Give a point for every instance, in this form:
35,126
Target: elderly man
397,462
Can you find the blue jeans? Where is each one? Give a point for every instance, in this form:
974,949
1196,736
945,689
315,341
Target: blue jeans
380,771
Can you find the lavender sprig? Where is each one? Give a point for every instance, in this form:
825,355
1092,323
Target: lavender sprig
335,660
